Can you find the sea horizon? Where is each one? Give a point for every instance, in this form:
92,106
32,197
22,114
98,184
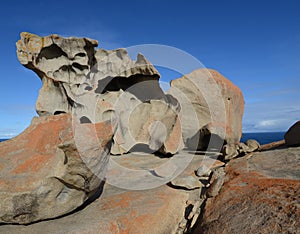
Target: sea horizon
261,137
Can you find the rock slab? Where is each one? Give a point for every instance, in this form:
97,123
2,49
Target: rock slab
157,210
261,194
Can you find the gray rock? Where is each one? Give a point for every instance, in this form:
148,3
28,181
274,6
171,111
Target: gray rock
203,171
79,73
253,145
97,84
230,151
292,136
215,187
188,182
217,181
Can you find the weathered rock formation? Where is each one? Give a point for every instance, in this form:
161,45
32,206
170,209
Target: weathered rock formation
163,209
292,136
212,109
260,195
52,168
153,123
94,102
98,84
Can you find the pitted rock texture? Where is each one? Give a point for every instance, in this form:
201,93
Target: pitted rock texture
212,108
51,168
76,68
97,84
261,195
154,124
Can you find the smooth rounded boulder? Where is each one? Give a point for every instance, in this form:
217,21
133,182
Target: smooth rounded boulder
211,106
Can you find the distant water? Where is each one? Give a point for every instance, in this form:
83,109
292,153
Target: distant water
263,137
3,140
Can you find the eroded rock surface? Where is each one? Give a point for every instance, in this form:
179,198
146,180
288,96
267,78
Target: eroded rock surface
97,84
158,210
260,195
153,123
212,108
52,168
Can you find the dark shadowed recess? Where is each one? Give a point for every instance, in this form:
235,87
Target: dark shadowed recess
205,141
143,87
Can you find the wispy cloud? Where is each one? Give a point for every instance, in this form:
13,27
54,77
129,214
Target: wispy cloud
273,116
8,133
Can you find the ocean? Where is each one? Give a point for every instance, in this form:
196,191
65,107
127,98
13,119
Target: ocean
261,137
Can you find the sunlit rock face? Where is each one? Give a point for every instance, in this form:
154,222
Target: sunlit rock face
96,85
52,168
212,106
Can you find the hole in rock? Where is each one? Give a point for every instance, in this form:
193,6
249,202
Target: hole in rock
143,87
80,67
84,120
59,112
80,55
51,52
205,141
141,148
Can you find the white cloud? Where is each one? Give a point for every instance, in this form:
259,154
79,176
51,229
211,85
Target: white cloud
267,123
270,116
8,133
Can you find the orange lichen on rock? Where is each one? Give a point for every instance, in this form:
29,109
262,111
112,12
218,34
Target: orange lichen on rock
45,171
261,194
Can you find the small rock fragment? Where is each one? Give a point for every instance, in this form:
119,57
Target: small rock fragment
188,182
203,171
252,145
217,181
195,209
215,187
230,151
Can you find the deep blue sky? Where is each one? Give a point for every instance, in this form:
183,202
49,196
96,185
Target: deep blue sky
255,44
